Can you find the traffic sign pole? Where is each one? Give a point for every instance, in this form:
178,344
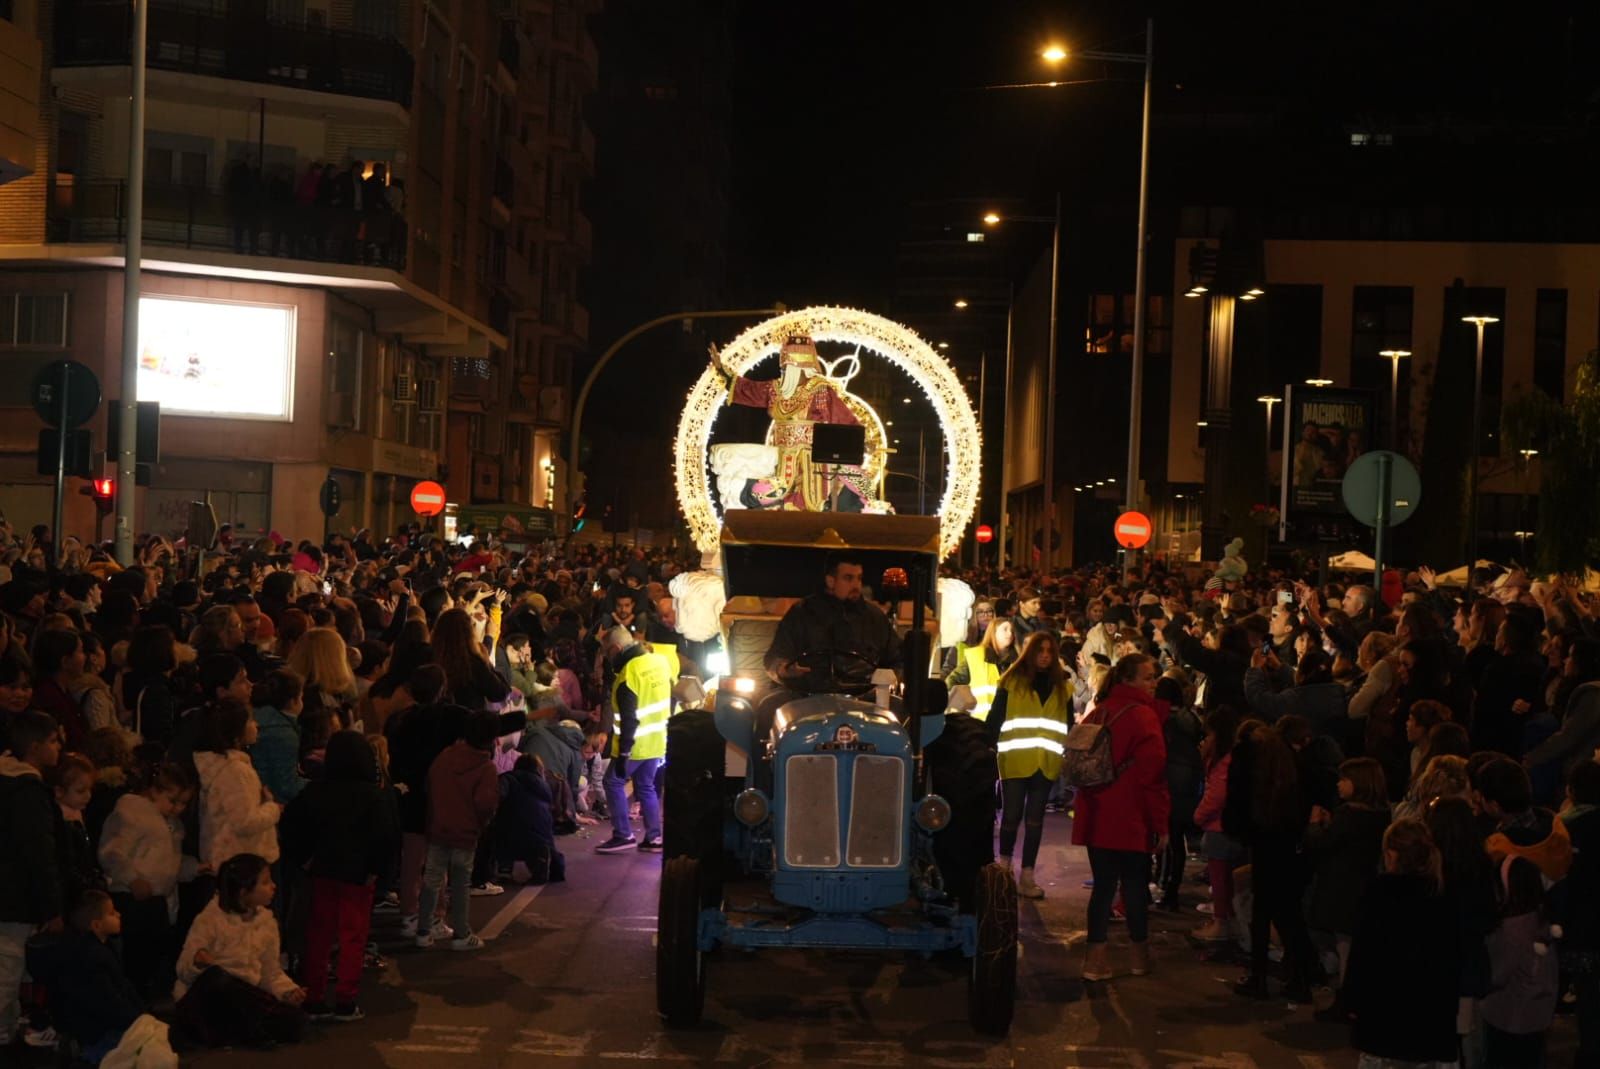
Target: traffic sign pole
1381,527
63,423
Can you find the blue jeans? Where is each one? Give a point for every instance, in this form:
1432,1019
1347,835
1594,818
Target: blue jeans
457,864
643,775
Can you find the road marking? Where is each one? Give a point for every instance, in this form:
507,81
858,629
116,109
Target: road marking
508,913
444,1039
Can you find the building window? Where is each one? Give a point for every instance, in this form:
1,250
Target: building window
1550,342
1380,320
34,320
344,375
1294,335
1110,327
1488,301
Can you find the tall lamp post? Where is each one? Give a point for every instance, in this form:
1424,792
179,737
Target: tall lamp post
1269,400
1056,54
1047,548
126,447
1394,356
1477,437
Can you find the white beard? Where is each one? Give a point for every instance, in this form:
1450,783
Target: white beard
790,380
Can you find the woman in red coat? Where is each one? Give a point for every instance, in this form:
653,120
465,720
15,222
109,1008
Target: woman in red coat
1124,820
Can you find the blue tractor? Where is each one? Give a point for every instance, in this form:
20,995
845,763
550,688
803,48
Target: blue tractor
848,817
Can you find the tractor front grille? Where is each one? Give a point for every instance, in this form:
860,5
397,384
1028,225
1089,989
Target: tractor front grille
877,808
811,811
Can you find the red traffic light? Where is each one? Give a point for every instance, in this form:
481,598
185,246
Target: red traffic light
105,489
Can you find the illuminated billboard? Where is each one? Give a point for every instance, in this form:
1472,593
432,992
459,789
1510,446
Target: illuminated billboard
217,358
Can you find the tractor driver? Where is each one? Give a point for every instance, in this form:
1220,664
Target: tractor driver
837,620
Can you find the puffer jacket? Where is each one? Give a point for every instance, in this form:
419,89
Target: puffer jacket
30,879
463,794
138,843
234,819
276,753
245,945
1130,811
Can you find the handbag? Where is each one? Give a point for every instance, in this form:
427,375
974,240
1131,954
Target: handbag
1086,759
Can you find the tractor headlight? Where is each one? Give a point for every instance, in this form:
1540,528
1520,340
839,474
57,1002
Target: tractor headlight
752,807
933,813
744,685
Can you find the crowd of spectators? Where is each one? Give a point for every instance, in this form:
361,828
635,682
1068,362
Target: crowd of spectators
216,769
1394,797
352,215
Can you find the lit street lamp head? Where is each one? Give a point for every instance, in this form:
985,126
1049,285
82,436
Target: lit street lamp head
1053,54
1480,320
991,218
1319,382
961,302
1394,354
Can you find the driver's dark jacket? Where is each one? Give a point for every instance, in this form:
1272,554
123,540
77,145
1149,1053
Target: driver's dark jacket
822,622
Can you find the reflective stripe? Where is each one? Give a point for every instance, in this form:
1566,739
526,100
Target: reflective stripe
985,692
654,707
1033,723
659,728
1053,746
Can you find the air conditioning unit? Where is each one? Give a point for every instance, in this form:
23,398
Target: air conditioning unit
428,395
342,411
405,391
552,404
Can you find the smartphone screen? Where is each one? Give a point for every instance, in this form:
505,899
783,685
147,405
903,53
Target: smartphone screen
1285,597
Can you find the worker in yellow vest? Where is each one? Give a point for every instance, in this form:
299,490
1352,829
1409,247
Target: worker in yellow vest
979,667
641,701
668,653
1028,722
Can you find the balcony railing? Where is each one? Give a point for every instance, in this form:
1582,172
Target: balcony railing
235,43
197,217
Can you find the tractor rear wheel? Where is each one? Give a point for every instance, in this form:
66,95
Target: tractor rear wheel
992,987
680,964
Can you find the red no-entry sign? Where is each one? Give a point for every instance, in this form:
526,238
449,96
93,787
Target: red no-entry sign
427,499
984,534
1132,530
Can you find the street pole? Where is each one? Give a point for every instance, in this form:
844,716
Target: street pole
63,429
1394,357
1136,391
1005,402
1047,549
605,358
1472,454
133,253
1385,499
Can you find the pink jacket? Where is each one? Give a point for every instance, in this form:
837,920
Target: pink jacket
1208,814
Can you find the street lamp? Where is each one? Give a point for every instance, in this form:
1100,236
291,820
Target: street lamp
1477,436
1394,356
961,302
1047,551
1319,382
1056,53
1269,400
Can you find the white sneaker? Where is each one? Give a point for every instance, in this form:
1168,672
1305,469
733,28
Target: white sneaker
40,1038
424,941
441,930
487,890
408,927
470,941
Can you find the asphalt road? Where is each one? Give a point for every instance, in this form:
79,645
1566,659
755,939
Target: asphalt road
568,980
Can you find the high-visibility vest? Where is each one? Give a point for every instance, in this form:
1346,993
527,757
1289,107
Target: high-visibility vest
1034,734
646,676
668,652
983,681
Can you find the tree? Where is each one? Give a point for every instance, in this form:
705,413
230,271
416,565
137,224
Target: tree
1568,439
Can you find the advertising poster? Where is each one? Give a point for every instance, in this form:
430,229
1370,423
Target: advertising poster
216,358
1325,430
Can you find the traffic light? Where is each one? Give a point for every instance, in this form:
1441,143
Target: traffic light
579,517
104,492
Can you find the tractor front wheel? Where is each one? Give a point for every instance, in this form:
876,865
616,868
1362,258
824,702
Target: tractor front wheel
992,987
680,965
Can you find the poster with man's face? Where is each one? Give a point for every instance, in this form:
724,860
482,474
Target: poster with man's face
1327,430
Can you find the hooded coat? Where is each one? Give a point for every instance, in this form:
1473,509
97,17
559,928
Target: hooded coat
463,794
234,818
30,880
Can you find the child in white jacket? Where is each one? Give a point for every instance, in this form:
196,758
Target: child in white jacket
231,988
141,853
237,814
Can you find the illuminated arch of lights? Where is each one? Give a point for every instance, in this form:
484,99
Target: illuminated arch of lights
894,342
